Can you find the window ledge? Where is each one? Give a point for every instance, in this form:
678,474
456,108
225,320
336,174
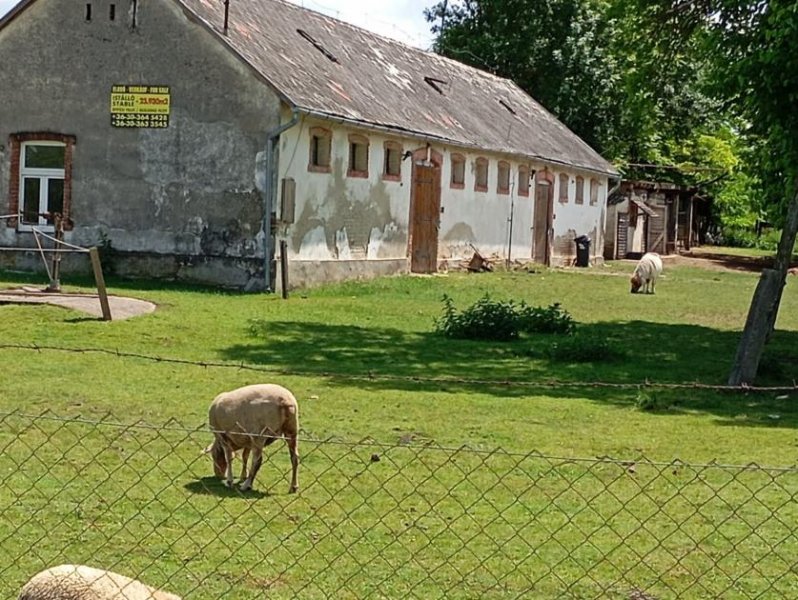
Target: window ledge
358,174
318,169
480,188
457,186
386,177
23,228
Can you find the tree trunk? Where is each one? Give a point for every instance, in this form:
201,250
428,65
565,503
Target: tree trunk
764,309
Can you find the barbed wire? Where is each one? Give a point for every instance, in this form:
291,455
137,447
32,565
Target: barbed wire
373,376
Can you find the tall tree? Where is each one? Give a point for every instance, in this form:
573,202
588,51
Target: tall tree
556,50
751,51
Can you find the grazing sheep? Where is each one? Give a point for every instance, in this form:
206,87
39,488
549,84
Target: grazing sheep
646,272
78,582
248,419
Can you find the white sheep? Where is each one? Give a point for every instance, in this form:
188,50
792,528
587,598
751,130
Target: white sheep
79,582
248,419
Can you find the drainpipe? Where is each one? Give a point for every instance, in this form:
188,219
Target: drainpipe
269,188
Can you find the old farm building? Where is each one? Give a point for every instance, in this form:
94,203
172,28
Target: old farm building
191,140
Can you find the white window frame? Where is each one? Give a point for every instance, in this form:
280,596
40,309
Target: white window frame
44,176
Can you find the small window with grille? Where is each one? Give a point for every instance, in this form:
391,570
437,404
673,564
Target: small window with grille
358,156
392,164
320,150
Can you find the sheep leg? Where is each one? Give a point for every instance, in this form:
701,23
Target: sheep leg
229,454
244,459
257,460
291,442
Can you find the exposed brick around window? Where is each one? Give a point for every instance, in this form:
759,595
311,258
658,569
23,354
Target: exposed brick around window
15,146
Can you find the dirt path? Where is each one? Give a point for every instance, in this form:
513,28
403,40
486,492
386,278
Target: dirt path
121,307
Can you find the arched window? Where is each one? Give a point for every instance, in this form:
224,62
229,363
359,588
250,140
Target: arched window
358,156
523,180
458,172
481,175
563,188
594,190
503,178
320,150
580,191
392,163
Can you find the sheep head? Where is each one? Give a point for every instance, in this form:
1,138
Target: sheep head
637,283
216,450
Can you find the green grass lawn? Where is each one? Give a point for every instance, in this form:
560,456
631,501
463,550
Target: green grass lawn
365,364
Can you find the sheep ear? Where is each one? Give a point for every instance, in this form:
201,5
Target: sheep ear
208,449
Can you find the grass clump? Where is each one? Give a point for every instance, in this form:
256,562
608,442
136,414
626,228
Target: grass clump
499,320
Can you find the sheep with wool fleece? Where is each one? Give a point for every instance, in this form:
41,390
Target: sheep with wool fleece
79,582
247,419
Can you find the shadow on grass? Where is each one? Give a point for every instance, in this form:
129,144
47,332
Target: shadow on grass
391,359
213,486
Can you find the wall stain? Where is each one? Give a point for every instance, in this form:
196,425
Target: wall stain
348,219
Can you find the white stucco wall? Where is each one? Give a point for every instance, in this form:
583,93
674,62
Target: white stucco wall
342,219
572,219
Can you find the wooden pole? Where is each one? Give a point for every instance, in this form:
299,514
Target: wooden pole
284,268
100,280
55,277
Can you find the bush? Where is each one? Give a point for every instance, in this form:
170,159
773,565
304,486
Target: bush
484,320
584,348
488,319
552,319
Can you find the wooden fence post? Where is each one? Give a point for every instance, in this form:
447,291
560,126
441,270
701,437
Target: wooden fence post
100,280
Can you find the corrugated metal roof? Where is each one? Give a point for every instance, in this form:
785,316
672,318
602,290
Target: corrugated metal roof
322,65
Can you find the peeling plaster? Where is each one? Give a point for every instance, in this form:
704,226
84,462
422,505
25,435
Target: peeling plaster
343,252
349,212
314,245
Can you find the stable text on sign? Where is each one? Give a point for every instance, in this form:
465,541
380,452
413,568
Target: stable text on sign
140,106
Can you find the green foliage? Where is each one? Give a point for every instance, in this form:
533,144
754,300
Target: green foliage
498,320
555,49
551,319
581,348
486,319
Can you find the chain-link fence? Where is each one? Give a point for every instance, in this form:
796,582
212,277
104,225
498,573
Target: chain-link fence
411,520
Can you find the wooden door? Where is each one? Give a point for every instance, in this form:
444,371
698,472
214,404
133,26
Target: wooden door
544,204
425,217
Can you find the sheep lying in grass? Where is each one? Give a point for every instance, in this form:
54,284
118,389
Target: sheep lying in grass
248,419
78,582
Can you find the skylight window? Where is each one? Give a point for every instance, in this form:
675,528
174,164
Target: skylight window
507,106
436,84
318,45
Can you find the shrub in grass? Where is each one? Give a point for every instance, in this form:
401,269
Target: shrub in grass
551,319
580,348
498,320
486,319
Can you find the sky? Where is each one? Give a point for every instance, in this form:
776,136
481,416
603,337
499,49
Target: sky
402,20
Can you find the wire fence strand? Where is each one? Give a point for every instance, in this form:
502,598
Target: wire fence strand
373,376
371,520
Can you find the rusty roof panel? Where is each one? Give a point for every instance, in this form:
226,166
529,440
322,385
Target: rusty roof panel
323,65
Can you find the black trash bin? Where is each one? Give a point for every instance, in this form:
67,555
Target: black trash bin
582,251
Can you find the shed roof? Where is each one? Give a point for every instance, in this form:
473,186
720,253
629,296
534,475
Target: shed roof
325,66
